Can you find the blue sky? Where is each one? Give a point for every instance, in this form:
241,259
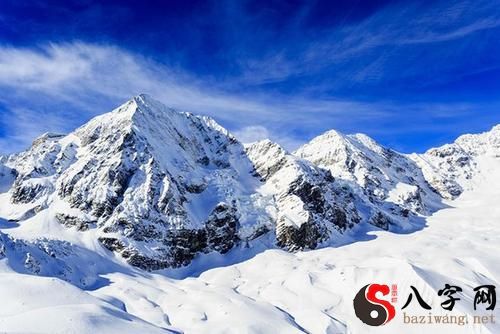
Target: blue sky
410,74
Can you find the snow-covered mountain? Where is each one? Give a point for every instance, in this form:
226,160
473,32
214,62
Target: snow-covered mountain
160,186
450,168
155,188
309,207
390,185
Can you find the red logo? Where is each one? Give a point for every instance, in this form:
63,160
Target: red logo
372,310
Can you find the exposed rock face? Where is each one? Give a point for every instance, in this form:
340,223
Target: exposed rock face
220,234
222,228
159,186
310,206
292,238
380,220
185,244
70,221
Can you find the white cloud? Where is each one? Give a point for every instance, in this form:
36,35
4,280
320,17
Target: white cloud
250,134
42,70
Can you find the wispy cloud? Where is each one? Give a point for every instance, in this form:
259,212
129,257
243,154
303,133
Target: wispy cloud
58,86
80,75
389,35
253,133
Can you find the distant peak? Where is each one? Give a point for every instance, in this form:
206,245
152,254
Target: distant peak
332,134
362,137
143,99
327,138
265,143
368,142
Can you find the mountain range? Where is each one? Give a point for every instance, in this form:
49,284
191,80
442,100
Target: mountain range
147,219
159,187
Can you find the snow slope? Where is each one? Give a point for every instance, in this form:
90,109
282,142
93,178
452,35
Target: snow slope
33,304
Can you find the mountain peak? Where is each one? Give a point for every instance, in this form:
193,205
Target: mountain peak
141,115
330,136
143,98
144,104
